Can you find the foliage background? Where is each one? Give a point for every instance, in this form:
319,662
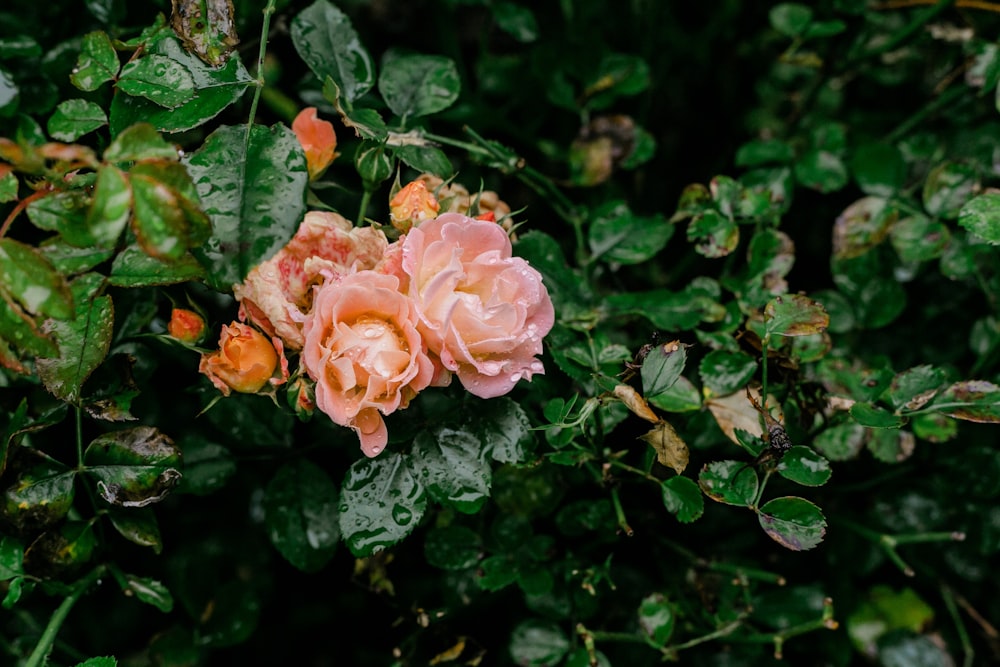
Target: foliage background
868,101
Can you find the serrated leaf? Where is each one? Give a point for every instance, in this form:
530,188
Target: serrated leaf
729,482
132,267
981,216
617,235
682,498
794,315
426,159
300,514
140,141
327,42
418,85
452,466
74,118
804,466
31,280
973,400
133,467
662,367
794,523
161,80
381,502
83,341
682,396
254,192
96,64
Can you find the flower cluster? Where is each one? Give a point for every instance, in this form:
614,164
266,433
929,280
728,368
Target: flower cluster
376,322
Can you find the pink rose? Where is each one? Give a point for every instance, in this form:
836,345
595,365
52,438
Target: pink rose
363,350
482,311
276,293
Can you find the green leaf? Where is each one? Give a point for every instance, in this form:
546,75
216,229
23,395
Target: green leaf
723,373
981,216
427,159
914,387
452,547
657,618
326,41
617,75
764,151
41,495
791,19
11,558
83,340
134,467
10,94
884,611
497,572
538,643
8,187
821,170
617,235
111,207
873,416
150,591
166,218
31,280
504,429
75,118
682,498
254,193
66,547
207,466
381,502
841,442
804,466
137,525
217,88
682,396
418,85
452,465
140,141
366,123
919,238
670,311
794,315
96,64
973,400
165,82
662,367
23,332
794,523
948,187
729,482
106,661
300,514
517,21
134,268
879,169
713,234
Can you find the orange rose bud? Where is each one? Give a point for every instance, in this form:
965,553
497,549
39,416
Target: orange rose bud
244,362
186,326
318,141
412,205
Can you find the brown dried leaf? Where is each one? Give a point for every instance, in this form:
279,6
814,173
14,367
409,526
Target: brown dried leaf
671,450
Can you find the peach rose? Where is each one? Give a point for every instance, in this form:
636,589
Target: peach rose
186,325
412,205
276,294
245,361
363,350
482,311
319,141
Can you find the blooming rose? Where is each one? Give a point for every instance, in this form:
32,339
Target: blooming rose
245,361
277,293
186,325
412,205
482,311
319,142
363,350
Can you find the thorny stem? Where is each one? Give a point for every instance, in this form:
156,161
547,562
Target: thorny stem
968,652
265,29
40,654
888,543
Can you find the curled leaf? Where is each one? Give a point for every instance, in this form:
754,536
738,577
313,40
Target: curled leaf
671,450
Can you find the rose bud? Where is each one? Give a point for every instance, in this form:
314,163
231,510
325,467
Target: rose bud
186,326
412,205
244,362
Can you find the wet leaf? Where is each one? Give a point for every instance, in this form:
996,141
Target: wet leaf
619,236
914,387
657,618
724,373
713,234
794,315
505,430
11,558
134,467
206,28
981,216
217,88
111,207
873,416
451,464
671,450
862,226
165,82
31,280
381,502
973,400
418,85
23,331
426,159
140,141
794,523
254,194
327,42
74,118
538,643
137,525
841,442
804,466
83,341
948,187
729,482
682,498
300,514
96,64
919,238
662,367
453,547
41,495
682,396
132,267
150,591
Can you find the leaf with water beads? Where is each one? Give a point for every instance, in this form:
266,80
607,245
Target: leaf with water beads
300,513
794,523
